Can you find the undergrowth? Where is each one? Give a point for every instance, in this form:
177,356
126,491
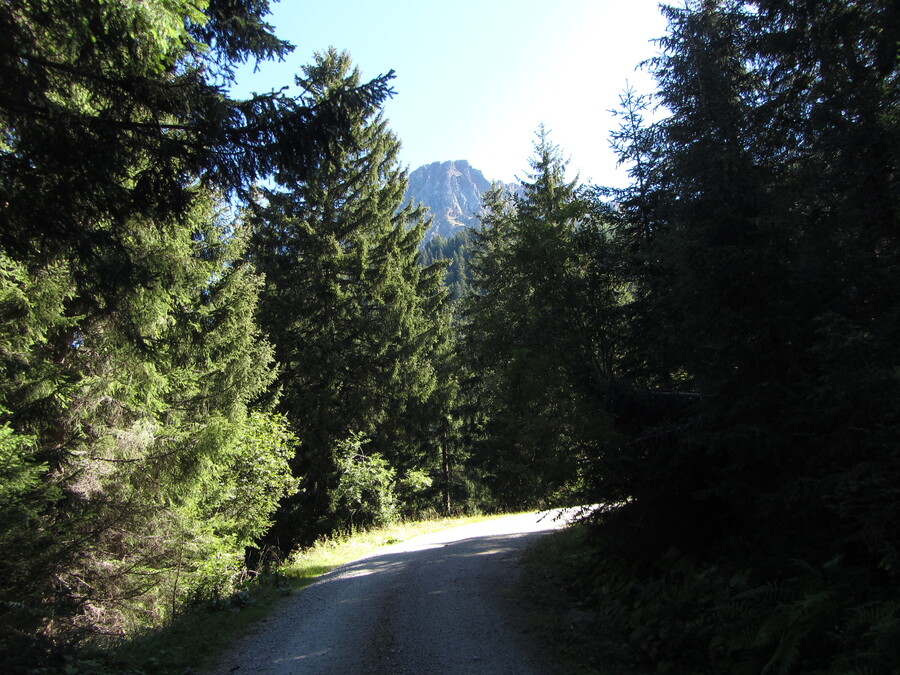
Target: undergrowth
197,636
560,615
603,615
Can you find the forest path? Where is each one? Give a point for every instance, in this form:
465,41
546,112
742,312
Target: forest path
440,603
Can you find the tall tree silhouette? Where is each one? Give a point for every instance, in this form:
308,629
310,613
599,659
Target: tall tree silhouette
351,313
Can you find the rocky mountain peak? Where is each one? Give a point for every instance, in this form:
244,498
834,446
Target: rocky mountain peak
452,191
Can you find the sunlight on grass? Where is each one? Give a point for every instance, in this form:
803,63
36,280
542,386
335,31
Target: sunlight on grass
326,554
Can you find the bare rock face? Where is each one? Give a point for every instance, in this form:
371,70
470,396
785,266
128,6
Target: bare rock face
452,191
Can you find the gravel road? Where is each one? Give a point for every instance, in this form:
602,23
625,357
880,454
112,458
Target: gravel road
439,603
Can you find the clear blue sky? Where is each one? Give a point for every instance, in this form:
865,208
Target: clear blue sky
475,78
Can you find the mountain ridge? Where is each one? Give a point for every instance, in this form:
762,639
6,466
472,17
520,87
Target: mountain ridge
452,191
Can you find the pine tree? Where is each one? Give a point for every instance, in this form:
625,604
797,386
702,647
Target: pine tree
129,351
536,344
769,202
134,440
352,315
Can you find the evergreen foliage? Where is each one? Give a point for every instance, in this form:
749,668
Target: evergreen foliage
714,358
540,333
135,466
139,475
355,320
457,251
712,355
762,229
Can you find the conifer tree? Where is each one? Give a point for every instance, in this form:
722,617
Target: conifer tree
353,317
538,348
457,251
141,472
757,225
128,348
770,204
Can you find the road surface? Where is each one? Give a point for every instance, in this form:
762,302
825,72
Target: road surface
439,603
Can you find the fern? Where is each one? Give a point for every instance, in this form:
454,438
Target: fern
780,618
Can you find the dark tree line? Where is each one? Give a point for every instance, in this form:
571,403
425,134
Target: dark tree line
714,355
538,334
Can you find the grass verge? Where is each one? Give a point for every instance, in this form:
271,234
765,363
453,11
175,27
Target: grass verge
327,554
196,637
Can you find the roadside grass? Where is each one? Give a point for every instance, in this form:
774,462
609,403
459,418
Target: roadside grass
576,637
196,637
328,553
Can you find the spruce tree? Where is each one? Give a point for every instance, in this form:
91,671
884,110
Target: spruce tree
353,317
130,357
141,472
759,234
537,346
457,251
769,201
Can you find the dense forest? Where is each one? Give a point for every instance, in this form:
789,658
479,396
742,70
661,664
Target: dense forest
221,336
457,251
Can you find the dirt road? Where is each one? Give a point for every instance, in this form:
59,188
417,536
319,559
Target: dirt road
439,604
